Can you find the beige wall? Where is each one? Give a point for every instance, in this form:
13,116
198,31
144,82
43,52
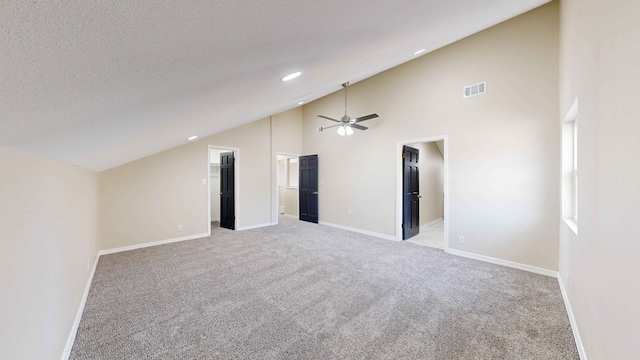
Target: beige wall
431,180
287,139
291,202
49,222
599,65
145,200
503,146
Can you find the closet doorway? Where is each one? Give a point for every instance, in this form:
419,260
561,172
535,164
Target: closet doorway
223,185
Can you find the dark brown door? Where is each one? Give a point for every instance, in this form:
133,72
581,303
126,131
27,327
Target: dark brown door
227,196
411,193
308,188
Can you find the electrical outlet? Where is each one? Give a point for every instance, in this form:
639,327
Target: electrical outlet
461,240
349,211
204,181
180,228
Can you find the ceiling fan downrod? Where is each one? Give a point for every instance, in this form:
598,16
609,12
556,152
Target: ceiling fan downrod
345,85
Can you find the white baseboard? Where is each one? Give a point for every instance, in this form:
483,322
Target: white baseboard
76,322
507,263
254,226
154,243
572,320
359,231
431,223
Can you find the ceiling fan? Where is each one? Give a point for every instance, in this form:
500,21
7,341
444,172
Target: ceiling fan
347,124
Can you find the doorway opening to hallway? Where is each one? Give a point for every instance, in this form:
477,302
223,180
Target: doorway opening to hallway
422,192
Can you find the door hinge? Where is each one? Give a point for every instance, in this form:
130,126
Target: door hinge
403,226
404,155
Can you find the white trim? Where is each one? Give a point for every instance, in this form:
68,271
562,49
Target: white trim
572,224
254,226
572,320
153,243
76,322
291,216
431,223
507,263
572,114
359,231
445,145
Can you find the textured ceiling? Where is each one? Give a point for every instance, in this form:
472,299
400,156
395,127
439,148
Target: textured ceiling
101,83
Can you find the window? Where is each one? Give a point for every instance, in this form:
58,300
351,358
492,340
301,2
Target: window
575,170
570,162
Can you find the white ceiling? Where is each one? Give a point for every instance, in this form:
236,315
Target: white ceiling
101,83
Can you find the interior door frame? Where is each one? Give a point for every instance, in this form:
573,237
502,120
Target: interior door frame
236,183
276,189
399,194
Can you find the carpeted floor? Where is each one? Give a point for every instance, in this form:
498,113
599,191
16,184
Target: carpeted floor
304,291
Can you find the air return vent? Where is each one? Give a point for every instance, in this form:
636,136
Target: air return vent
475,89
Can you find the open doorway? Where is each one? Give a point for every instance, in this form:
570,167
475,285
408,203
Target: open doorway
223,186
287,186
422,188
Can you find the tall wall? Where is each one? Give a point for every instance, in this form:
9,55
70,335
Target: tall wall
49,221
145,200
287,139
503,146
599,60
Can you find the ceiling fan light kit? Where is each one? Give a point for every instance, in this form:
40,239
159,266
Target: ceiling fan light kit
347,124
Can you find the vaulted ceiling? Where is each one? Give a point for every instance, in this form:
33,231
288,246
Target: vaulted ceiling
101,83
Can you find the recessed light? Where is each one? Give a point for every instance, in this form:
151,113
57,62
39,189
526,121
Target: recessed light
419,52
301,103
192,137
291,76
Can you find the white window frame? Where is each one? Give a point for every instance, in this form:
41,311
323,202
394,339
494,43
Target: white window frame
575,170
570,165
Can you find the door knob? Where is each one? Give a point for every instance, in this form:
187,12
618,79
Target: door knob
315,193
419,196
220,194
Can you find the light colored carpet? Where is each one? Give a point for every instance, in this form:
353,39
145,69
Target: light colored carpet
305,291
431,235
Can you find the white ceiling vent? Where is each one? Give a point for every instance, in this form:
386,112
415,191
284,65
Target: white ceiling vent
475,89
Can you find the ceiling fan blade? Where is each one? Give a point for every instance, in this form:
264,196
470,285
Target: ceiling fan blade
329,127
328,118
359,127
363,118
